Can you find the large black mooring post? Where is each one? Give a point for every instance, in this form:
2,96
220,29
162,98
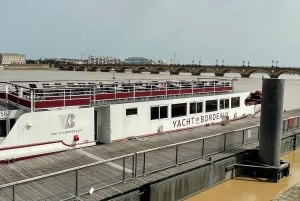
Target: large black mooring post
271,121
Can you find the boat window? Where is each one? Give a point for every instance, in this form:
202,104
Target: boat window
235,102
224,104
2,128
163,112
196,107
12,123
154,113
131,111
178,110
159,112
211,105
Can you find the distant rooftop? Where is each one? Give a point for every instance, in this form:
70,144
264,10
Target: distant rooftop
12,54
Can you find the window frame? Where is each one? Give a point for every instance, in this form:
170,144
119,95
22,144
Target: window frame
131,111
235,101
178,114
211,109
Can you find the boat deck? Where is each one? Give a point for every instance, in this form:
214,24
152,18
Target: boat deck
54,188
36,95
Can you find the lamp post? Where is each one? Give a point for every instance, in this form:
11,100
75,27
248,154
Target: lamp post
276,64
199,62
222,62
272,63
243,63
248,63
113,74
216,62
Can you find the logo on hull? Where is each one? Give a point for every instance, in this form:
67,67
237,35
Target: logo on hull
67,121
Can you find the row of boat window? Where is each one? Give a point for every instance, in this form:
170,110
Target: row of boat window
180,109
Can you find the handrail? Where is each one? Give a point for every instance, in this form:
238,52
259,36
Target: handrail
93,93
136,160
64,171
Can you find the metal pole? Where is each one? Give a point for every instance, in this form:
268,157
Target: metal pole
64,91
133,166
94,94
271,121
124,169
144,164
243,140
32,99
225,139
13,193
6,93
176,156
76,183
202,148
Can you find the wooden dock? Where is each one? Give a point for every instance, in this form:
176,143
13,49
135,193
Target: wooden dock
62,186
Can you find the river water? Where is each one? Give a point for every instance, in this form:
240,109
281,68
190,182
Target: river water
234,189
252,190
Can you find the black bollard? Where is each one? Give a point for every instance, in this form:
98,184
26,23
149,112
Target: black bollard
271,121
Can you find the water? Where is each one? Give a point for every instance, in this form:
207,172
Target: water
253,190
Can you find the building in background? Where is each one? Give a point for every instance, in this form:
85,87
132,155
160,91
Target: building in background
137,60
103,60
12,58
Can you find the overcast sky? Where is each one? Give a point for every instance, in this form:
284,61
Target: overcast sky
258,31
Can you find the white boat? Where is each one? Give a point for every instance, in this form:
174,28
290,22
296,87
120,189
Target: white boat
39,117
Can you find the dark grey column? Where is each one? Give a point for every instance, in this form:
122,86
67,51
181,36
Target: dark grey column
271,121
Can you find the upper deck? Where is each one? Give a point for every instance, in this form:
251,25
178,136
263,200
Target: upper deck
39,95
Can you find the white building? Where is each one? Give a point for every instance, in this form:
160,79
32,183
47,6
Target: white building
103,60
12,58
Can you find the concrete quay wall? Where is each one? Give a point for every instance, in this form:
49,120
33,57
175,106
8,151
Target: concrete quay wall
200,177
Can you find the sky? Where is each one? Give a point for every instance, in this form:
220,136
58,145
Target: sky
186,31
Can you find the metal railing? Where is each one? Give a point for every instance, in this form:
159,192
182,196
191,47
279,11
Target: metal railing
35,97
74,182
160,158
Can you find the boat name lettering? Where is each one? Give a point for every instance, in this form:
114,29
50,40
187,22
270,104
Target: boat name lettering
190,121
66,132
4,113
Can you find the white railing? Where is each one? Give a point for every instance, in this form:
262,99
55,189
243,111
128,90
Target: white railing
81,94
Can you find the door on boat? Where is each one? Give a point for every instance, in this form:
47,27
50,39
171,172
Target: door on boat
5,127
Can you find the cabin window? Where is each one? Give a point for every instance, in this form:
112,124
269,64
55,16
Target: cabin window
154,113
131,111
196,107
159,112
2,128
224,104
163,112
211,105
178,110
235,102
12,123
